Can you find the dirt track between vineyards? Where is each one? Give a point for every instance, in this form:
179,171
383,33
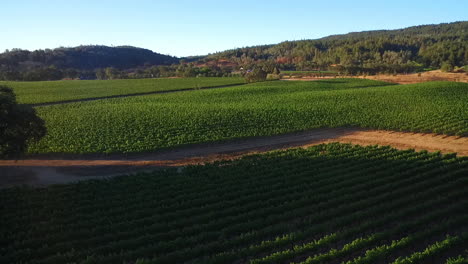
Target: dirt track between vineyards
52,169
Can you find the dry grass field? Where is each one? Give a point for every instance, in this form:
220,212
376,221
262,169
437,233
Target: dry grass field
435,75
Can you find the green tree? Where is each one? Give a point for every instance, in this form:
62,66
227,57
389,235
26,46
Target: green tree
256,75
71,73
446,67
112,73
276,71
100,74
19,125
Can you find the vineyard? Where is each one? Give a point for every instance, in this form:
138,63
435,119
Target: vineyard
53,91
148,123
334,203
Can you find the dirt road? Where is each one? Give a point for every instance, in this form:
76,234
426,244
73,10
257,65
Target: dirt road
51,170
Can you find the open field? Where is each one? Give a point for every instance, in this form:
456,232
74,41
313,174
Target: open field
327,204
53,91
429,76
149,123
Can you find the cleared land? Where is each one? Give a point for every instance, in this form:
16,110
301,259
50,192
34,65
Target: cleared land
429,76
54,91
149,123
327,204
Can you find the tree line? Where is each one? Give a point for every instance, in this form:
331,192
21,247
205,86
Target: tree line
51,73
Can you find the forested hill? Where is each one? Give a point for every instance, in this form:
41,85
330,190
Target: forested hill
82,58
371,51
383,51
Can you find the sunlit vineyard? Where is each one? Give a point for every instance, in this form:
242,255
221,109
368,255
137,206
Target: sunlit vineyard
42,92
333,203
148,123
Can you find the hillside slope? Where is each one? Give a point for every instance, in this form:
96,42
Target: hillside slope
382,51
400,50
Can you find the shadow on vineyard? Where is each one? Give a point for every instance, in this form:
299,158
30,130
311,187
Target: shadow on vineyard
334,203
60,92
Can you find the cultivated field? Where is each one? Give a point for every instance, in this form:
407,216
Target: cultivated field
148,123
45,92
330,203
326,203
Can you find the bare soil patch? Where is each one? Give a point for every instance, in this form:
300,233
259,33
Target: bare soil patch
435,75
51,169
429,76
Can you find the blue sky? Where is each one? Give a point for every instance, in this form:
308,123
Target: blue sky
184,27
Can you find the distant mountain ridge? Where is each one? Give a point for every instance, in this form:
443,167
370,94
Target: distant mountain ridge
405,50
84,58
